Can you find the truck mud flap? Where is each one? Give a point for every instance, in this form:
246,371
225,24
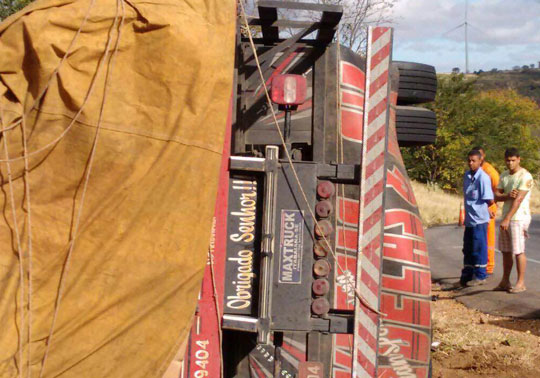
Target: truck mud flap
392,321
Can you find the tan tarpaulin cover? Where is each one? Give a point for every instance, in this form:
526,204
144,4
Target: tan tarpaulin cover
131,283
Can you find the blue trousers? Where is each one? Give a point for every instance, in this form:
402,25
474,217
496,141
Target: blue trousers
474,253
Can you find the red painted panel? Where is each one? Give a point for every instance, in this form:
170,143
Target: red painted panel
350,98
412,281
401,185
409,222
406,309
295,352
404,342
347,239
351,125
398,247
345,281
348,210
352,75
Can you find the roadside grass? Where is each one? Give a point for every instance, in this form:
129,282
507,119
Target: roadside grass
436,206
535,199
439,207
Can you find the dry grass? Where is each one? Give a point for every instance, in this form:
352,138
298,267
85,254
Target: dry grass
436,206
535,199
439,207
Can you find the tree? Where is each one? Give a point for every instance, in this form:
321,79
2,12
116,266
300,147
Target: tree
8,7
495,120
357,16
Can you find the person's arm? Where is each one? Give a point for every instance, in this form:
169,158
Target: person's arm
487,193
492,212
517,200
500,196
495,178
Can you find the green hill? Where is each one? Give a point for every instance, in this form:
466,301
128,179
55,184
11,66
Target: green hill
525,82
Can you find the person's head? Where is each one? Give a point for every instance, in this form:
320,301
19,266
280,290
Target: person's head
474,159
512,159
482,152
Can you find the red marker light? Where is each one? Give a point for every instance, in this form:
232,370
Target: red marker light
325,189
321,268
320,286
289,89
321,248
320,306
324,209
323,228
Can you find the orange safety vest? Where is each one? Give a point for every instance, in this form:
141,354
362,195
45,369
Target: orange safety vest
494,176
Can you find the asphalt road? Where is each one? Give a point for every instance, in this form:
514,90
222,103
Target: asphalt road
446,258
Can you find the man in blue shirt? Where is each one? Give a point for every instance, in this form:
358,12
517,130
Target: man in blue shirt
477,196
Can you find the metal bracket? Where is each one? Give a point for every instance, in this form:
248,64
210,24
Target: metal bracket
334,324
242,163
252,164
267,245
240,323
339,173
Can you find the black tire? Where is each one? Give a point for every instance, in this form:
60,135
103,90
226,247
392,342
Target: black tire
417,83
415,126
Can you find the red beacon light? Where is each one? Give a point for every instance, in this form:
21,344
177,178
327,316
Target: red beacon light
289,90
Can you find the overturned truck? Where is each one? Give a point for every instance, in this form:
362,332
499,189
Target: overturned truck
318,265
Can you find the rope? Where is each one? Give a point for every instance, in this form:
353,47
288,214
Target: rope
19,249
55,72
11,126
297,179
30,252
218,312
53,75
341,187
341,159
88,172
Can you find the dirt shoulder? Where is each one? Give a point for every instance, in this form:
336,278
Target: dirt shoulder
473,344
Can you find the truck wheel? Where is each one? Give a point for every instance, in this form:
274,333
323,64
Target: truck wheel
417,83
415,126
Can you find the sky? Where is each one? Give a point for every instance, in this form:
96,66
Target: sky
502,33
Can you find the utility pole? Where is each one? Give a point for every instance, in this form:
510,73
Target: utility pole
466,38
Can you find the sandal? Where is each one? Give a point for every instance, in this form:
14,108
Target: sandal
503,288
515,290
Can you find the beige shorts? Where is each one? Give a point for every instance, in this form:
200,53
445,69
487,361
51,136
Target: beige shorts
513,239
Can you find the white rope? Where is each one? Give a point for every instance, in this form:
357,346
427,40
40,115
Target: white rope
342,186
19,250
38,99
218,311
88,172
29,226
287,155
341,158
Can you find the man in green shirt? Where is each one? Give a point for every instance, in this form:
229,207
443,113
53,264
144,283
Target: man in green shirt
514,189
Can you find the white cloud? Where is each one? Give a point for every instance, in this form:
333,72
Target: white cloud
502,33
